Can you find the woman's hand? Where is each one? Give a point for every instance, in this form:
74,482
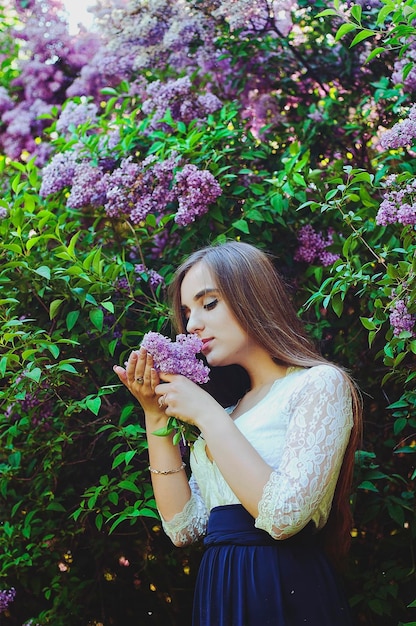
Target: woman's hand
141,379
180,397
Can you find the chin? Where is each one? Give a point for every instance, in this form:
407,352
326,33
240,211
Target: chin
212,361
217,361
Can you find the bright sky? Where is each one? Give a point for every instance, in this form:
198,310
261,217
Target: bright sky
77,10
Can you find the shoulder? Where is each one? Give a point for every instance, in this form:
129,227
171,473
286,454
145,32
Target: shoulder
325,376
325,370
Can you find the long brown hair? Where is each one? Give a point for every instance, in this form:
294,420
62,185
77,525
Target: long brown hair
256,294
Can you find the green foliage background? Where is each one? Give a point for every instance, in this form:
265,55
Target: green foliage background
76,501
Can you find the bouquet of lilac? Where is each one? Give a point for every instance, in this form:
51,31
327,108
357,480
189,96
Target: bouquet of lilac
177,357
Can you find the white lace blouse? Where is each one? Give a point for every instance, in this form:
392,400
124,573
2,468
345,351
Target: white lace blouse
301,429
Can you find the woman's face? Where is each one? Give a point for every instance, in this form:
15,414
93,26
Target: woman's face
211,319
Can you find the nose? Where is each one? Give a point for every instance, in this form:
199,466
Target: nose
194,323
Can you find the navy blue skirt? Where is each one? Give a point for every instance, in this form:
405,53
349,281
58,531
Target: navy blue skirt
246,578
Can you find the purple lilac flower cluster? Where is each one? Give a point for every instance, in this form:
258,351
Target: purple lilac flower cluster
313,246
257,15
161,240
195,189
133,189
154,34
400,318
41,409
58,174
6,597
178,97
402,62
88,186
155,279
75,114
399,202
177,357
137,190
367,5
50,60
402,134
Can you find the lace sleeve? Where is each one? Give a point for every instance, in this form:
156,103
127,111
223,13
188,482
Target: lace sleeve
317,436
190,524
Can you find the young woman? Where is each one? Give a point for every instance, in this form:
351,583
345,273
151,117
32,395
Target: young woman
271,472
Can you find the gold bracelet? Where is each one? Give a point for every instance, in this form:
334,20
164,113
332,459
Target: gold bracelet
164,472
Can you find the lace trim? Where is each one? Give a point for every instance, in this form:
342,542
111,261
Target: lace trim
188,525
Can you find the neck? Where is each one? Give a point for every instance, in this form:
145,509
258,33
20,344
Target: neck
261,378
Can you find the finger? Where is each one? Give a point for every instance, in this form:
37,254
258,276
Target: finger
146,360
139,373
121,373
154,378
168,378
131,366
161,389
162,401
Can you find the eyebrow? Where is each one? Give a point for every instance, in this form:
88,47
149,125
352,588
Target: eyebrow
205,292
201,294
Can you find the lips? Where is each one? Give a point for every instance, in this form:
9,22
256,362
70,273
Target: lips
206,343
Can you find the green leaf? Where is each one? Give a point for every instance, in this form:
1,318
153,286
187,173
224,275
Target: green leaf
374,53
44,271
71,319
112,346
97,318
242,225
326,12
125,414
109,91
66,367
129,455
384,12
399,425
99,521
356,12
344,29
162,432
3,365
14,459
123,457
53,307
364,34
71,246
337,304
93,404
368,486
128,485
113,497
34,374
368,323
55,506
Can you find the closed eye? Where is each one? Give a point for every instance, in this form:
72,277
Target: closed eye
211,305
